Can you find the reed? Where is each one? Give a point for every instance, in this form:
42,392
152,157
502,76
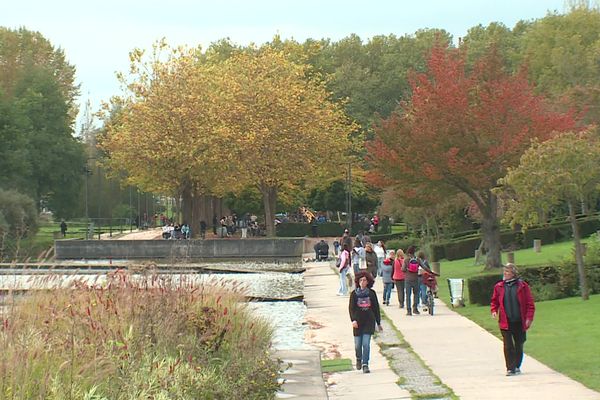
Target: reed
135,337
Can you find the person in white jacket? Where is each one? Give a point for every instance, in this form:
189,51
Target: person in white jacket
379,249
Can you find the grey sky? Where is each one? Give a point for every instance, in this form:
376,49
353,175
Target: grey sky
97,36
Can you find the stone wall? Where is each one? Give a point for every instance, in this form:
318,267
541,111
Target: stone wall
267,249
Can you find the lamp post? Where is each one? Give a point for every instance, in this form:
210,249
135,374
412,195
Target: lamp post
349,198
87,171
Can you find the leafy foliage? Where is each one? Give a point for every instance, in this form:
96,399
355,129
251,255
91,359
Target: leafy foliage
39,155
459,133
18,214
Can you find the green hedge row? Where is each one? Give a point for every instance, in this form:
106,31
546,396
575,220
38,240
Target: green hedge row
297,229
546,282
330,229
465,248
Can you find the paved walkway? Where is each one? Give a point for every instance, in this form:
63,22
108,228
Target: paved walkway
463,355
329,330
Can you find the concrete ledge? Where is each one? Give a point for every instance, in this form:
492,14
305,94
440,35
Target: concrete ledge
261,249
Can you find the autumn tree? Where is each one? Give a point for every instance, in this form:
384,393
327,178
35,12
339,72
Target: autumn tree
562,169
284,126
164,132
460,132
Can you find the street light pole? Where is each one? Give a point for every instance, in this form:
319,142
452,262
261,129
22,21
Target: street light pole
349,216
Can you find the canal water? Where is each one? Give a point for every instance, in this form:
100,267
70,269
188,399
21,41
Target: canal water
285,316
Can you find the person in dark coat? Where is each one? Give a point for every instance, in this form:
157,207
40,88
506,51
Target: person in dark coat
512,304
364,314
63,228
321,250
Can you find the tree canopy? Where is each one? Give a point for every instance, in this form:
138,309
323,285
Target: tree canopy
39,155
460,132
562,169
202,126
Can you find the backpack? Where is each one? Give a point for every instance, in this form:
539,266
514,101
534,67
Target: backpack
338,262
413,265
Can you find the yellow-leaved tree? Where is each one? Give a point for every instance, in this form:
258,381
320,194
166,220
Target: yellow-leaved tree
165,131
283,124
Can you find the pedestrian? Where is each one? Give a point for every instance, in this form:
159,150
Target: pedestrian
364,314
346,238
411,280
380,250
422,287
512,304
371,259
398,276
358,256
203,229
343,266
375,221
365,238
63,228
386,276
214,222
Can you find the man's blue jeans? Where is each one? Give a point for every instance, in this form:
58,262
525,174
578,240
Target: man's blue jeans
362,347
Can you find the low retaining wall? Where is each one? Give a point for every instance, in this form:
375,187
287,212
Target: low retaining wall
267,249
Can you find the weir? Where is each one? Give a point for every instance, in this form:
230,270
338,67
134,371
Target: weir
264,249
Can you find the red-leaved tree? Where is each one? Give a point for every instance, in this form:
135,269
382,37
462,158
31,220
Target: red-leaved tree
460,131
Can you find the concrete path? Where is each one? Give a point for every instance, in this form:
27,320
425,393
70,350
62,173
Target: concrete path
470,360
463,355
302,379
329,330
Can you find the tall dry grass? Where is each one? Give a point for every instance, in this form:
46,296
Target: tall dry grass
134,337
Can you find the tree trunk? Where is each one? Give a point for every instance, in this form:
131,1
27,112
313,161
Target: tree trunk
490,229
269,194
187,197
585,295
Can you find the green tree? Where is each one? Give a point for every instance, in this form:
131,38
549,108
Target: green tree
562,169
41,157
561,52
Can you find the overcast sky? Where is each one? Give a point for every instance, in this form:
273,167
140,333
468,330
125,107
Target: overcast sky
97,36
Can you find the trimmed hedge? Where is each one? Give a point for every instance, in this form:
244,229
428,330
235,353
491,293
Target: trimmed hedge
481,287
465,247
298,229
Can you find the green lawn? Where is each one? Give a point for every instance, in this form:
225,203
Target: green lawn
565,334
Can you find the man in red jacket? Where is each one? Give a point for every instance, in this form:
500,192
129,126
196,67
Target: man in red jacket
512,303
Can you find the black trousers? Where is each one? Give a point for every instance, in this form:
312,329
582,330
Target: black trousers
513,339
400,290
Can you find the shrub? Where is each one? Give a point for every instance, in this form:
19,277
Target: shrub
481,288
298,229
461,249
18,214
135,338
403,244
547,235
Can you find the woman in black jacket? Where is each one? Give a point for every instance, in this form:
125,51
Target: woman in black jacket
364,314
